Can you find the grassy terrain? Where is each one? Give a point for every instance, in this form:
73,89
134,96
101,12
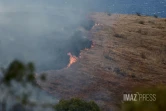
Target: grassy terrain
129,51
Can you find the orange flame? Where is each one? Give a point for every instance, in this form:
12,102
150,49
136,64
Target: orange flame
86,49
73,59
92,45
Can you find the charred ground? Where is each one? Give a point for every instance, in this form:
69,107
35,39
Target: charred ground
77,42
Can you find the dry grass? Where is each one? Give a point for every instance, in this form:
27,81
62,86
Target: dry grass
115,65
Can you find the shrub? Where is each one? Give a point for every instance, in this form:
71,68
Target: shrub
109,14
152,22
19,72
143,32
143,56
119,35
138,14
19,90
120,72
141,22
155,16
76,104
108,57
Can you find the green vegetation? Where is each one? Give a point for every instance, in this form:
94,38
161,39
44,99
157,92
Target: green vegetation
157,105
18,87
20,92
19,72
76,104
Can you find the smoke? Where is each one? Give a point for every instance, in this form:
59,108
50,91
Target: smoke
39,30
15,94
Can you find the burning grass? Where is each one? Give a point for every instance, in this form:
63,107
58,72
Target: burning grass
72,59
67,49
114,65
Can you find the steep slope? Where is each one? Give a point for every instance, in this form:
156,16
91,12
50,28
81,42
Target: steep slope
128,51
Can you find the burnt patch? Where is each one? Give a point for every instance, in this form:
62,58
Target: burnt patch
120,72
88,24
78,43
60,47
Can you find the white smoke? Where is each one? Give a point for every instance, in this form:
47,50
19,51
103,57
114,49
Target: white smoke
14,94
27,27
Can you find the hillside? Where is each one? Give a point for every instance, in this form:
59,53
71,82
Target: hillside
128,51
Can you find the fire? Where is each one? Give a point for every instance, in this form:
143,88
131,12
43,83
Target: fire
73,59
97,24
86,49
92,45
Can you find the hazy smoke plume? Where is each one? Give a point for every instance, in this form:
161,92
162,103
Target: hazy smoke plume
42,31
39,30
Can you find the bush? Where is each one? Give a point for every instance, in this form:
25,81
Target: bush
143,55
138,14
109,14
76,104
119,35
120,72
19,72
141,22
19,90
155,16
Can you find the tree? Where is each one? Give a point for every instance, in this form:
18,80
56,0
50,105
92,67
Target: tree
19,90
76,104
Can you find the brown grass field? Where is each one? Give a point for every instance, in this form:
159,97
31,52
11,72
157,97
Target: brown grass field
128,52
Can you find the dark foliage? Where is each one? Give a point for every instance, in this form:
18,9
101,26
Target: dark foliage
108,57
76,105
19,72
18,107
138,14
22,75
141,22
119,35
120,72
109,14
155,16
